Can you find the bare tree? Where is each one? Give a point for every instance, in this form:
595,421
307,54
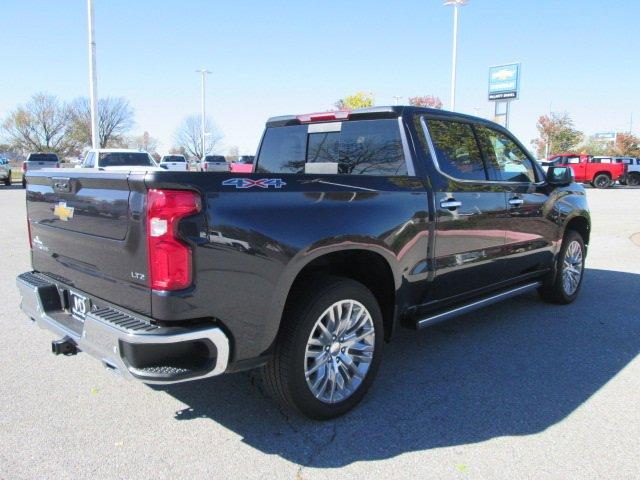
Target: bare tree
189,136
115,119
40,125
429,101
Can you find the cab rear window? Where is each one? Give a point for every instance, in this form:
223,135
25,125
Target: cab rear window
359,147
121,159
43,157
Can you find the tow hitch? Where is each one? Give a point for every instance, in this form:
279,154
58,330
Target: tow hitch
64,346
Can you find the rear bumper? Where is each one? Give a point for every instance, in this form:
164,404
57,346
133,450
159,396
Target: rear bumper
126,343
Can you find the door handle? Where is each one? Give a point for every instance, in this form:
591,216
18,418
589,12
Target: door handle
516,201
451,204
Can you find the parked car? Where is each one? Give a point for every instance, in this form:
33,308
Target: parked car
353,224
114,159
244,164
174,162
632,174
5,171
588,169
38,161
214,163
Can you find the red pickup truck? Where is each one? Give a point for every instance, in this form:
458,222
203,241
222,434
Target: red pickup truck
588,169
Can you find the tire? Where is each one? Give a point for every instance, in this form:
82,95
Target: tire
633,180
602,180
558,291
24,183
7,181
297,347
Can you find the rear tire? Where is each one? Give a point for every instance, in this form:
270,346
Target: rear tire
328,349
566,285
7,181
602,180
633,180
24,183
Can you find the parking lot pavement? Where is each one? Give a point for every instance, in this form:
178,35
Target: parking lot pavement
517,390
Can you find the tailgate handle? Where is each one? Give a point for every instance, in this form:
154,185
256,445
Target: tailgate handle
62,184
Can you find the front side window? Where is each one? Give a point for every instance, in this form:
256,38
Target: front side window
359,147
456,149
506,161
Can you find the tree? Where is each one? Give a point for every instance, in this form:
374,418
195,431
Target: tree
556,134
41,125
189,136
145,142
626,145
233,153
357,100
428,101
115,119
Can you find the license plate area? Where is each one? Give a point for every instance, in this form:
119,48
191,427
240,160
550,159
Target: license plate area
79,305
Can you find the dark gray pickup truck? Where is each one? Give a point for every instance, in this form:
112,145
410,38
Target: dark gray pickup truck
353,224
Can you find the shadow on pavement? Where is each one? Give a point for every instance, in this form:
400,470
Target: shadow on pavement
516,368
13,186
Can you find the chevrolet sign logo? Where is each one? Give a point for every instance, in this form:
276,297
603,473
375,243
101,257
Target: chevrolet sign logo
63,212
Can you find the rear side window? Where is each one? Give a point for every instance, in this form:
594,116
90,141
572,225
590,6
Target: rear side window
506,161
359,147
457,150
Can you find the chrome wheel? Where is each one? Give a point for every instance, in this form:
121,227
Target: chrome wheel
339,351
572,268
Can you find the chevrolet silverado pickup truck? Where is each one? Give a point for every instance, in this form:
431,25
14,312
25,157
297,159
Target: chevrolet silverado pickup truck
353,224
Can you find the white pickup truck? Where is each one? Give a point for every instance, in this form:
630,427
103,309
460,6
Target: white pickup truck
119,159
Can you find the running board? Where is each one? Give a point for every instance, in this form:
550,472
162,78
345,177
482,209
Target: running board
439,317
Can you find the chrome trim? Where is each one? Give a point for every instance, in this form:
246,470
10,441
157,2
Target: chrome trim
450,204
439,317
102,340
325,127
434,157
408,159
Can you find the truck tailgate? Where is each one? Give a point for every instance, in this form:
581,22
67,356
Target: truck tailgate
87,231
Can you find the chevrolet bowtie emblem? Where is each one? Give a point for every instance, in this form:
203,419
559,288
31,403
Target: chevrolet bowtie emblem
63,212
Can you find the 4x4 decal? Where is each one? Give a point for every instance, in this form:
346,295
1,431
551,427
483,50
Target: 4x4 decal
245,183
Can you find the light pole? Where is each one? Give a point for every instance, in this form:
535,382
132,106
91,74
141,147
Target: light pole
397,99
456,4
203,72
93,80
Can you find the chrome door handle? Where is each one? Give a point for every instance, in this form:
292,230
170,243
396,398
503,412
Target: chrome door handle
450,204
516,201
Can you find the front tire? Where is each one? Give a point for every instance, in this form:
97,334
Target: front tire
633,180
569,271
328,350
7,181
24,182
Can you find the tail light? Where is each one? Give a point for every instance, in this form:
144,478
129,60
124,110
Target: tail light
57,165
24,166
205,167
170,263
323,117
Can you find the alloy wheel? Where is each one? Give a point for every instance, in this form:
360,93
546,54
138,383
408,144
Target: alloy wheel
572,267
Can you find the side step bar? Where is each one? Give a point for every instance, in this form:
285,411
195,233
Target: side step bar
476,304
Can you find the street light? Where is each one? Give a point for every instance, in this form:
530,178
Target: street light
203,72
93,79
398,98
456,4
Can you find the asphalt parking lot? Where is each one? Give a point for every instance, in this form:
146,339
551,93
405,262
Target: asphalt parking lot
521,389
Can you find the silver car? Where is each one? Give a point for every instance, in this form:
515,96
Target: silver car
214,163
5,171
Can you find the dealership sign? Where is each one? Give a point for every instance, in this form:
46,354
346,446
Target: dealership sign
605,136
504,82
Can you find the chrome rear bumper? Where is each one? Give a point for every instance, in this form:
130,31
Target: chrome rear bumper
126,343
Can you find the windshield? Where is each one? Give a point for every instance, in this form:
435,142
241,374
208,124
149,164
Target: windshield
173,158
43,157
125,159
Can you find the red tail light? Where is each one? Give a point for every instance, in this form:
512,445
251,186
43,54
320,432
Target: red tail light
24,166
205,166
169,257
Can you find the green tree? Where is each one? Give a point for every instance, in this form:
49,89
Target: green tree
556,134
41,125
627,145
357,100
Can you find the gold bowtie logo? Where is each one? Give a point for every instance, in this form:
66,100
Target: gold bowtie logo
63,212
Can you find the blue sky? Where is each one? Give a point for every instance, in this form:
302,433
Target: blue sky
278,57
